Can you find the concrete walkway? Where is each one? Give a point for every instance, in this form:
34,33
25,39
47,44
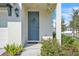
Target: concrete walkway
32,50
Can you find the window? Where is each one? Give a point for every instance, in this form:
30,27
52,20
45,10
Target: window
3,17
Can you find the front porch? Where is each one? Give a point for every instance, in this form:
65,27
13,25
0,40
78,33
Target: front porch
44,21
17,29
20,28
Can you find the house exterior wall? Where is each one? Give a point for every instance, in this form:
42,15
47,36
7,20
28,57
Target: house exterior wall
14,27
3,30
17,27
3,36
11,33
45,23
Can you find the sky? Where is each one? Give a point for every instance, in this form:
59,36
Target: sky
67,11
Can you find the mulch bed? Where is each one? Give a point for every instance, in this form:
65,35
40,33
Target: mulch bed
7,54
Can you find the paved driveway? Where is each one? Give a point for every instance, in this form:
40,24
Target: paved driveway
32,50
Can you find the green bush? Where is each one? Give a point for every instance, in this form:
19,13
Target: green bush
50,47
69,47
67,39
13,49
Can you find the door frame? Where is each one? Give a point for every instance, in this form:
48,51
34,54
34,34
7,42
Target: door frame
38,30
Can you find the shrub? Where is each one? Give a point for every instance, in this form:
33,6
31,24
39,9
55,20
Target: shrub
50,47
13,49
70,45
67,39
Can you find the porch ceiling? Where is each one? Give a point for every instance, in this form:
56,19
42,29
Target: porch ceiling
49,6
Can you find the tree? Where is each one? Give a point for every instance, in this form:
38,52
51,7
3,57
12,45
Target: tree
75,21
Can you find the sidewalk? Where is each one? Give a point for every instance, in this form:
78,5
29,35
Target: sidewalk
32,50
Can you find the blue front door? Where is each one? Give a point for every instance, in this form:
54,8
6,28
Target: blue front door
33,26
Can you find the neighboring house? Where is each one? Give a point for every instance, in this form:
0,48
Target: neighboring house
23,23
67,33
68,28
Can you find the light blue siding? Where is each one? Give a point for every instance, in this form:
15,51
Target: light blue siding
3,20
